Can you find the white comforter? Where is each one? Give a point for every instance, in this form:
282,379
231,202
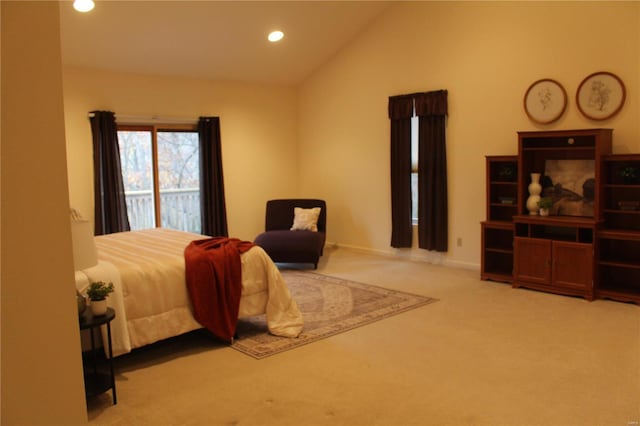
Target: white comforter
151,299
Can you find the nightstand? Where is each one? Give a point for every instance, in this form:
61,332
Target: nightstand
99,376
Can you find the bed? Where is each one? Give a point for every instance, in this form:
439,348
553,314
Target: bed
151,299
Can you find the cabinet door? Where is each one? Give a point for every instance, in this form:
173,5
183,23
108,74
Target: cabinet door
532,260
572,265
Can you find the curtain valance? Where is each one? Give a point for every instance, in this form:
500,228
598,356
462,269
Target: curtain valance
431,103
426,104
400,107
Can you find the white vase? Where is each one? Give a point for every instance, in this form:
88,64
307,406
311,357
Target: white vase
99,307
544,212
534,194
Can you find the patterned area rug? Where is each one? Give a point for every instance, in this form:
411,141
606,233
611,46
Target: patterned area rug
329,306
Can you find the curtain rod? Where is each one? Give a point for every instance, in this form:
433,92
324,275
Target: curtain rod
151,119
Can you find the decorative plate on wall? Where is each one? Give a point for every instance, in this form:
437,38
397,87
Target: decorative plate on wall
545,101
600,95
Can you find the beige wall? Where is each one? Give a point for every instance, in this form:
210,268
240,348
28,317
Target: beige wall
332,144
258,128
486,55
41,360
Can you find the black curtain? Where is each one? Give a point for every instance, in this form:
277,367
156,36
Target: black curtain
212,201
400,113
110,202
431,108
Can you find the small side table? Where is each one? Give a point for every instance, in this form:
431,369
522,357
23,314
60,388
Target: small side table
96,380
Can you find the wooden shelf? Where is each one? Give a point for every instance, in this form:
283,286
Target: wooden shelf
572,221
541,252
556,148
619,239
619,234
620,293
497,230
619,264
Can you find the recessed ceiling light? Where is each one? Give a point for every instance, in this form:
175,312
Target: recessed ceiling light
275,36
83,5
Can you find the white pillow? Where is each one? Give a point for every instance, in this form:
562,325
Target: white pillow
305,219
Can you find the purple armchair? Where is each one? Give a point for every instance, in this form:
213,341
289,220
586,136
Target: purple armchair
286,246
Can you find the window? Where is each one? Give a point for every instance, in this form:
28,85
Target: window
161,174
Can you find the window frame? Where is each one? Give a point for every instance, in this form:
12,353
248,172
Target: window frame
154,129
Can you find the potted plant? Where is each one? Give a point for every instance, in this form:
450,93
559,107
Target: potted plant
507,173
545,204
629,175
97,293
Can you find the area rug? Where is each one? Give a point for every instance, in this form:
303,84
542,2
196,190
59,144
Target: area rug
329,306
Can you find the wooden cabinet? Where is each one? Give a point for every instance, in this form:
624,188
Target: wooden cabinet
591,252
548,248
547,251
497,230
550,265
618,262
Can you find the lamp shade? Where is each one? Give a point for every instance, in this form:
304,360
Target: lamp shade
85,254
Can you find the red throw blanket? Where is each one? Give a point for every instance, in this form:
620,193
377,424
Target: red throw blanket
214,281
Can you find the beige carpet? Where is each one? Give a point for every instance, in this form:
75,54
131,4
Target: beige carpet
485,354
329,305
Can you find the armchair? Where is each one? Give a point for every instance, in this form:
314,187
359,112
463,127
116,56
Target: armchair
286,246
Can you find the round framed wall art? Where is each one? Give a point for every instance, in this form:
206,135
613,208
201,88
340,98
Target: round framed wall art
545,101
600,96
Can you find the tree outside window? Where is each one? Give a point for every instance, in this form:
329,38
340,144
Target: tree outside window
161,173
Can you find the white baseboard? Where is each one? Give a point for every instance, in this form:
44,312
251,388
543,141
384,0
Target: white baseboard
432,257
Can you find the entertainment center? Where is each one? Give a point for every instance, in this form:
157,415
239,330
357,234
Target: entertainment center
589,245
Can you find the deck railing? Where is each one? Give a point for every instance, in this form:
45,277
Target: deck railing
180,209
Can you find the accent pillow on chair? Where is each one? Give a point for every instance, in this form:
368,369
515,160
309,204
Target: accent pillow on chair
306,219
295,230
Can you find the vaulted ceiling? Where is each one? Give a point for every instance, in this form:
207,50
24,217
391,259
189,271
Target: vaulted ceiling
219,40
